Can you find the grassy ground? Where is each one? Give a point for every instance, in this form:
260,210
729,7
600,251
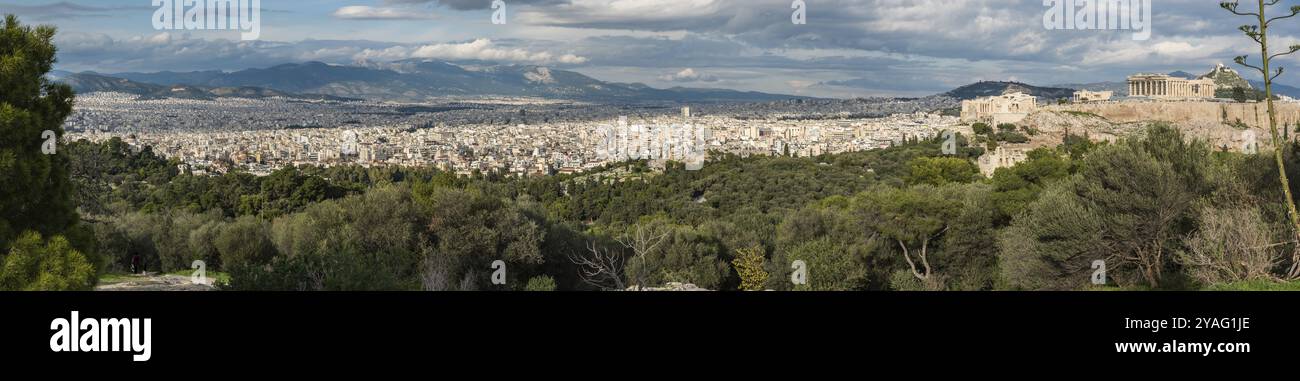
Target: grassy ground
218,278
1256,285
113,278
1253,285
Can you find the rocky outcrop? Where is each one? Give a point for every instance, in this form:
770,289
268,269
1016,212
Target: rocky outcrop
1226,78
1109,122
156,282
670,286
1249,114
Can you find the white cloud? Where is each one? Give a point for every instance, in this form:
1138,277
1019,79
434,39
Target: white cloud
484,49
799,86
181,52
689,75
362,12
161,38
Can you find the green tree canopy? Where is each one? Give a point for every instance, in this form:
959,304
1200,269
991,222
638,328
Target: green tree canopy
35,193
938,171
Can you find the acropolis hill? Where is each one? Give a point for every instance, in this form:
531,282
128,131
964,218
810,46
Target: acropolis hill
1254,114
1185,102
1178,98
1225,125
1222,124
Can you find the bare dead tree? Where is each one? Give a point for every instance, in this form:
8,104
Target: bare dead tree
599,268
434,274
469,281
315,279
606,269
642,242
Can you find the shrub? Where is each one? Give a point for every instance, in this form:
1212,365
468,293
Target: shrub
903,280
1052,245
829,269
540,283
1129,205
1012,137
938,171
683,255
1232,245
176,242
246,241
37,265
749,265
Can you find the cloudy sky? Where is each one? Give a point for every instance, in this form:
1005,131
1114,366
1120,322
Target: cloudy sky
847,47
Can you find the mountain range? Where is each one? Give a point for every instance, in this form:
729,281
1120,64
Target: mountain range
407,80
89,82
418,80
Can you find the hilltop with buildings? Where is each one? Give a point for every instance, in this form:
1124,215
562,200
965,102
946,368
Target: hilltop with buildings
1194,105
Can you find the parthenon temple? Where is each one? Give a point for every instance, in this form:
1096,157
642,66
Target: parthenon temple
1164,86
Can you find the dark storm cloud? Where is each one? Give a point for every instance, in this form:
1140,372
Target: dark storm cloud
177,52
64,10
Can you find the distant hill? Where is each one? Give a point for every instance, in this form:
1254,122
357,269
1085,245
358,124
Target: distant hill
425,80
1227,78
169,78
1119,88
989,88
1279,89
90,82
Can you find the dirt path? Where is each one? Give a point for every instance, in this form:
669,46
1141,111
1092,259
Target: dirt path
154,282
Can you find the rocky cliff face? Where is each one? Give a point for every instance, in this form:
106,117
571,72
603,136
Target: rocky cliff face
1226,78
1222,124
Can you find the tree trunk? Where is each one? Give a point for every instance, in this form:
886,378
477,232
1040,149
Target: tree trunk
1277,143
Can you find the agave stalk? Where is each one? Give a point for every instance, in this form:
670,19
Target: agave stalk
1259,33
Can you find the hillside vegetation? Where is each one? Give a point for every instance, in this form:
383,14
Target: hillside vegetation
1163,212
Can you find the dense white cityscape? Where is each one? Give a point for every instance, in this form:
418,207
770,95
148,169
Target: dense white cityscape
282,133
